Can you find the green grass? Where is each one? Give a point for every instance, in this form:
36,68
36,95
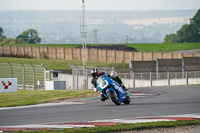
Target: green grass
64,64
60,64
124,127
143,47
165,47
31,97
51,45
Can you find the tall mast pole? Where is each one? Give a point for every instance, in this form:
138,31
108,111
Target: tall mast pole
83,32
84,45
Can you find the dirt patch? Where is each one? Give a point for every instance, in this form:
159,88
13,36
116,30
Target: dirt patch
112,47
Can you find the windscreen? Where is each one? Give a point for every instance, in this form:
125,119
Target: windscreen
101,78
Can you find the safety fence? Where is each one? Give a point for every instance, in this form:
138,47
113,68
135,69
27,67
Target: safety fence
82,78
160,75
163,78
30,77
33,77
134,79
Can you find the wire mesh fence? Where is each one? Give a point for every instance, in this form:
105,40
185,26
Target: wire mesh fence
30,77
165,78
82,78
135,79
164,75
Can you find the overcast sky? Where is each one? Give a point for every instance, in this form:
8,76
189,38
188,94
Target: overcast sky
99,4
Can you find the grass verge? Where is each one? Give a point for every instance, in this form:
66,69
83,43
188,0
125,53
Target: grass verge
125,127
60,64
161,47
31,97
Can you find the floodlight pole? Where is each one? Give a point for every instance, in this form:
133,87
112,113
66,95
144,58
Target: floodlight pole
83,33
84,45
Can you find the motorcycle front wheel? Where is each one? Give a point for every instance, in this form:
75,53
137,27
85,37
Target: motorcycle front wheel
114,98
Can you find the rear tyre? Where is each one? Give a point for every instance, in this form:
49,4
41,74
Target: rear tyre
127,100
114,98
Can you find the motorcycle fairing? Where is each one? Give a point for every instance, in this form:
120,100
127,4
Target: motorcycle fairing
106,84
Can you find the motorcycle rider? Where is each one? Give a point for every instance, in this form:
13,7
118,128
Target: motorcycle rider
96,74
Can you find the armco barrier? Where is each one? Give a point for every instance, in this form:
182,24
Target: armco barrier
92,54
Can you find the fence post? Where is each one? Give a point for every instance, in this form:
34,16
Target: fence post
77,78
33,76
86,74
133,76
73,72
11,67
186,75
73,77
168,75
150,75
195,74
183,70
23,86
45,69
157,70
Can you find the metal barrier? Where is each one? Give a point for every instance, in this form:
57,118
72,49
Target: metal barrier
30,77
137,79
165,78
82,78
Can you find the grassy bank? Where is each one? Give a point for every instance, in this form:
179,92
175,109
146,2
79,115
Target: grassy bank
143,47
165,47
60,64
31,97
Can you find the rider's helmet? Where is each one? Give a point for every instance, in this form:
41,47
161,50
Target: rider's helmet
95,73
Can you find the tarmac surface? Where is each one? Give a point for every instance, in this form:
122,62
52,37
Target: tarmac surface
153,102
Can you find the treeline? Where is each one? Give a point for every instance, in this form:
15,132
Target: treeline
63,27
187,33
28,36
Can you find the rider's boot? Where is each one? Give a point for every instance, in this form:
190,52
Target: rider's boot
102,97
124,88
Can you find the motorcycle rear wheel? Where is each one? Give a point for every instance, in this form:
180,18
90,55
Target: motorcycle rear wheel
114,98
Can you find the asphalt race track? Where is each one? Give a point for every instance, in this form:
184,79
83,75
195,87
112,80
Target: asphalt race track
154,101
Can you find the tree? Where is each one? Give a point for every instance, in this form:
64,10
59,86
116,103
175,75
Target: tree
195,23
30,36
170,38
187,33
2,33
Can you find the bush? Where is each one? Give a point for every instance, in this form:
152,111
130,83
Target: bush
8,41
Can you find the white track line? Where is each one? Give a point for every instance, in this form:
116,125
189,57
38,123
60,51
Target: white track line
42,105
123,120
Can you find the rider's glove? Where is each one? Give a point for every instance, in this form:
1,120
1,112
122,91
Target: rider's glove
96,89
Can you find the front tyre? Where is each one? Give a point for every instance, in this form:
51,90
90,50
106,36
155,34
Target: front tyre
114,98
127,100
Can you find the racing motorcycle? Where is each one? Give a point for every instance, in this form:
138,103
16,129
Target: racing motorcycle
112,90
